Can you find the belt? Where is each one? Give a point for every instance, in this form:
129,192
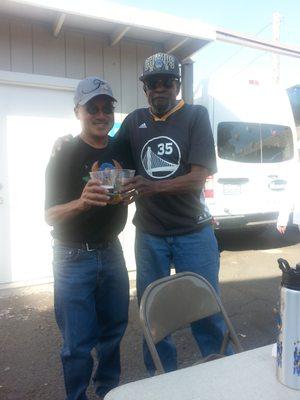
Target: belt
88,246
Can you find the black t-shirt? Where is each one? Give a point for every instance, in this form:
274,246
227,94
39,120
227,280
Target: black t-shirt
166,149
66,175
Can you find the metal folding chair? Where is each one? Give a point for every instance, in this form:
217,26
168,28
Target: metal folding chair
171,303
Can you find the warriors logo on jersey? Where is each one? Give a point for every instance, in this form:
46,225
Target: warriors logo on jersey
160,157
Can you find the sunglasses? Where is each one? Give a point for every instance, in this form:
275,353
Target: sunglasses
167,82
93,109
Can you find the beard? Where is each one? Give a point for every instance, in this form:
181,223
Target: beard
161,105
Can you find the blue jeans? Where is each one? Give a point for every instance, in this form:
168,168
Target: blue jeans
91,298
195,252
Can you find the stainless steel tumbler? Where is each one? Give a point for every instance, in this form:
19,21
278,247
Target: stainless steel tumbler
288,343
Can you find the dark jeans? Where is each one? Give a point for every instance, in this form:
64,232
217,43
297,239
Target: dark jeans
196,252
91,296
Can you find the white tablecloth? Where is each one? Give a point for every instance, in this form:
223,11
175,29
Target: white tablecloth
246,376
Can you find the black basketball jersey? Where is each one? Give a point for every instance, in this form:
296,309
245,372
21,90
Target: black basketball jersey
166,148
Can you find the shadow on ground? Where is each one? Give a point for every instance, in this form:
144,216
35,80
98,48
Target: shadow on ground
259,239
29,359
29,339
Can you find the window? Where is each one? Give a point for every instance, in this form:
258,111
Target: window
254,143
294,96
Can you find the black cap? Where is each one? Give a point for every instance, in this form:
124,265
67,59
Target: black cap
160,64
290,276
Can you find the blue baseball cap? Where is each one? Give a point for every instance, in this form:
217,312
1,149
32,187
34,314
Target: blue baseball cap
90,87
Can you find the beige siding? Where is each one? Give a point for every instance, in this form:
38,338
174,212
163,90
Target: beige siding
129,87
94,56
21,47
4,45
142,53
75,59
112,71
49,52
30,47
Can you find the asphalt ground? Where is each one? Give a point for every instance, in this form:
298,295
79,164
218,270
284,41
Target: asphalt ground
29,339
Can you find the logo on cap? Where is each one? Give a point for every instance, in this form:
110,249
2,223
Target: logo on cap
90,87
97,83
160,63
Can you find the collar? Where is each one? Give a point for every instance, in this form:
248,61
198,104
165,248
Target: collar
178,106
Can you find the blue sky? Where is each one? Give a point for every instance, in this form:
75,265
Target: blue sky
252,17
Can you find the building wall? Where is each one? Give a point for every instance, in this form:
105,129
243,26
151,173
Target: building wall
38,74
30,47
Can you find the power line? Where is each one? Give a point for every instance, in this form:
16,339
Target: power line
241,48
236,52
251,62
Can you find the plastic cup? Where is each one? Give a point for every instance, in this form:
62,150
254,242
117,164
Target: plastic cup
107,178
122,177
112,180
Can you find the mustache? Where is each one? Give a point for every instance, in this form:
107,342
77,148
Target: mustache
160,97
101,121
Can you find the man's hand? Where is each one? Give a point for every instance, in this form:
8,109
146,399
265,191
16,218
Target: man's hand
93,194
129,197
194,180
281,229
140,186
59,142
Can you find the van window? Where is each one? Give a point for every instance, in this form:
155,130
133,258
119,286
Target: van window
294,96
254,143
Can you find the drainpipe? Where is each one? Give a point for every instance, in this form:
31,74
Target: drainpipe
187,68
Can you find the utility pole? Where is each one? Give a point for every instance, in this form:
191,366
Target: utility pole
275,56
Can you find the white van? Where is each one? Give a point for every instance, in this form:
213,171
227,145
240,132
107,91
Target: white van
255,140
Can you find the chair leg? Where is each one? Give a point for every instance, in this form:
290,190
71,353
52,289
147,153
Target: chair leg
225,342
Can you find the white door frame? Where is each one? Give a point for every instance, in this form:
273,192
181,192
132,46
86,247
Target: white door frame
24,80
41,82
5,270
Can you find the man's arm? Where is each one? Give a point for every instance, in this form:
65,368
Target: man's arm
194,180
62,212
59,142
185,183
93,195
58,208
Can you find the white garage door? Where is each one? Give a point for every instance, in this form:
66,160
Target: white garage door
30,120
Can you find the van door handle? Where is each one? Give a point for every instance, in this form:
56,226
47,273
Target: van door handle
233,181
277,184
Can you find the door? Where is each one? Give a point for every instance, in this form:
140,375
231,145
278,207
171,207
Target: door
254,163
31,120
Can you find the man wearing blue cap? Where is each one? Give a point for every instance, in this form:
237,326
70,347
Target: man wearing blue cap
173,153
91,289
173,150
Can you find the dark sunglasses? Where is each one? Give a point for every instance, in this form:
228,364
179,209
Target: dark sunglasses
93,109
167,82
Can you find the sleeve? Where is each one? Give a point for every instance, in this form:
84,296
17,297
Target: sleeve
54,183
122,137
202,146
123,146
